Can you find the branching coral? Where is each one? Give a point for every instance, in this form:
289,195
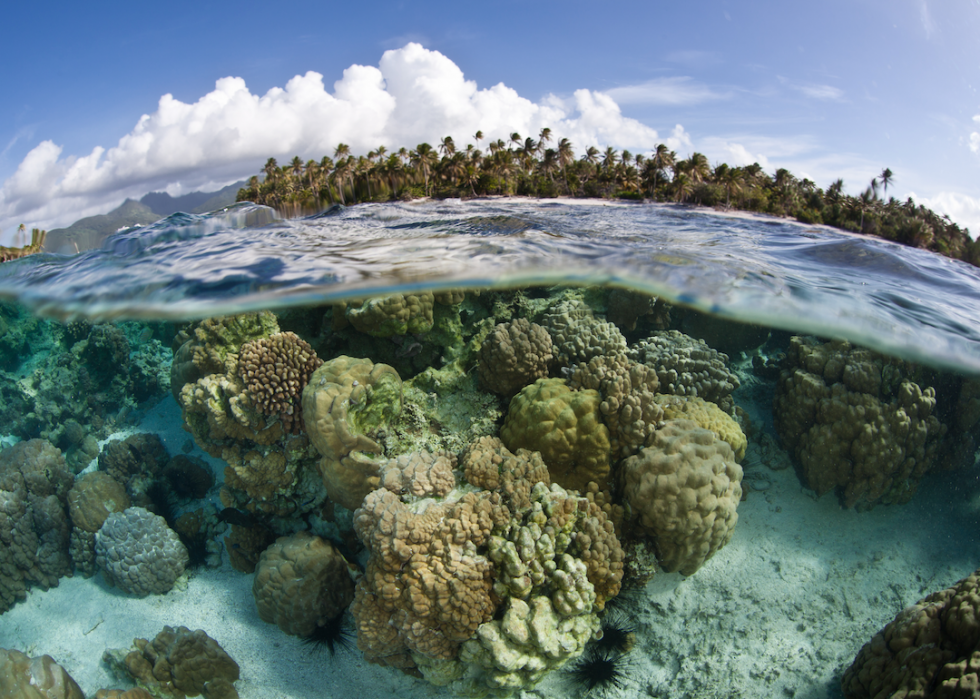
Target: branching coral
276,369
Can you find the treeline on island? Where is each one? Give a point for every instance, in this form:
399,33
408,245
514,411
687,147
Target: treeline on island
545,168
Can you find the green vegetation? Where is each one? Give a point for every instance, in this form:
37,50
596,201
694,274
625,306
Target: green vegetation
528,167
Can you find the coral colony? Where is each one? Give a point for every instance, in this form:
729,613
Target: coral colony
470,507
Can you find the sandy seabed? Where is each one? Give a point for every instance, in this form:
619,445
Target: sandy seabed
780,611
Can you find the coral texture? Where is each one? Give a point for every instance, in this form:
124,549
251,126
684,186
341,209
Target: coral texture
707,415
855,423
930,650
178,663
514,355
565,426
134,461
91,500
276,369
34,524
301,582
22,677
578,335
346,403
682,491
397,314
688,367
139,553
628,390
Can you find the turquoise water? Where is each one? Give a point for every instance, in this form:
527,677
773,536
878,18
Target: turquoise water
813,569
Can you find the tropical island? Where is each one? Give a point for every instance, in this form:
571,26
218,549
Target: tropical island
532,168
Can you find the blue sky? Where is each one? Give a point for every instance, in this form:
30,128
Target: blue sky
841,88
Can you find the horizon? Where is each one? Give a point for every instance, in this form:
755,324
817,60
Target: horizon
891,87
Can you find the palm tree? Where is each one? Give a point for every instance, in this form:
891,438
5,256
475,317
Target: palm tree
447,147
609,159
682,186
699,168
341,151
516,139
423,159
566,156
885,179
479,137
544,137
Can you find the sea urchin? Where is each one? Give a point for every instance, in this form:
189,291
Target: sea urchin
330,635
600,667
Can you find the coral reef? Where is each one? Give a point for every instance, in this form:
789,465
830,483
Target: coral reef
34,525
346,403
301,582
135,462
514,355
682,491
91,500
688,367
396,314
443,562
22,677
577,335
707,415
855,423
565,426
177,663
276,369
139,553
629,407
930,650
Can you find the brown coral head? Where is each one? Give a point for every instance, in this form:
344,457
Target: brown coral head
275,370
190,477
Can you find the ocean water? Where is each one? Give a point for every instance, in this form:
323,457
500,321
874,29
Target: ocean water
812,571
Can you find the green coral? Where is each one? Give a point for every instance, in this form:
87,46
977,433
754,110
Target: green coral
396,314
565,426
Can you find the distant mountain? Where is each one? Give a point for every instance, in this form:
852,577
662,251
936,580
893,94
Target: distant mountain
90,232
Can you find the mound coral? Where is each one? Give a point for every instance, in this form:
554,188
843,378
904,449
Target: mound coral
178,663
442,563
578,335
682,491
855,423
346,404
396,314
301,582
514,355
139,553
34,524
565,426
92,498
688,367
628,390
930,650
276,369
708,415
134,461
22,677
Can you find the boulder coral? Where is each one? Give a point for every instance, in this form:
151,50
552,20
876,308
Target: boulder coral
708,415
629,402
490,585
91,500
930,650
688,367
34,524
346,404
682,492
855,423
514,355
578,335
565,426
177,663
23,677
301,582
395,314
139,553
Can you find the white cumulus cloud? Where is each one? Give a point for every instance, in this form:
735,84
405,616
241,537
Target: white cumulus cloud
413,95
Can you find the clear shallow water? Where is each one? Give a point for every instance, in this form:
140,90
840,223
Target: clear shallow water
812,279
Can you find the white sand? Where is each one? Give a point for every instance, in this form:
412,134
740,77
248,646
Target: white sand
780,611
